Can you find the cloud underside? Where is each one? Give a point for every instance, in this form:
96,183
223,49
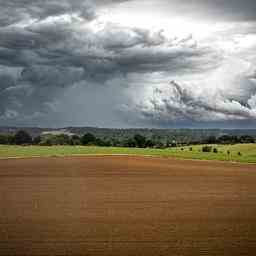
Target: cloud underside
61,65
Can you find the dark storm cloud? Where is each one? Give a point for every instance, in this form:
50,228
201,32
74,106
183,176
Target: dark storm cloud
14,11
113,47
55,52
49,49
44,76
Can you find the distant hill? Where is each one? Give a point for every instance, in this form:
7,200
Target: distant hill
180,135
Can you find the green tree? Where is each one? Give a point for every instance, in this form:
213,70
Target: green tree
149,144
22,138
62,139
37,140
3,139
130,143
75,140
140,141
211,140
10,139
247,139
88,139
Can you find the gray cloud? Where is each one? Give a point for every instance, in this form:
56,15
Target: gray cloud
59,65
55,54
14,11
181,104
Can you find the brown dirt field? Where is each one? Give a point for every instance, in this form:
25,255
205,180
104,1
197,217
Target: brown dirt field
126,206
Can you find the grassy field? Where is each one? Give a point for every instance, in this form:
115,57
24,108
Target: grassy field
248,152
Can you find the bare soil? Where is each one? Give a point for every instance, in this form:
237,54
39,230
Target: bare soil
123,205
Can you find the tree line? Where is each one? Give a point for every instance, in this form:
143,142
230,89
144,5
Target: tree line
23,138
88,139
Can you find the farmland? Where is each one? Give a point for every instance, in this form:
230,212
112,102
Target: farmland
247,152
126,205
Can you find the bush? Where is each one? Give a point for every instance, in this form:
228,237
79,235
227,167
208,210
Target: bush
207,149
215,150
239,154
174,144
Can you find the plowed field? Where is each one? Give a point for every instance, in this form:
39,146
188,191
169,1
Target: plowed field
120,205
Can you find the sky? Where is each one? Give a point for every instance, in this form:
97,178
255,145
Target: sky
128,63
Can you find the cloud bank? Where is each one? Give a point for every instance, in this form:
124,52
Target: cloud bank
62,63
